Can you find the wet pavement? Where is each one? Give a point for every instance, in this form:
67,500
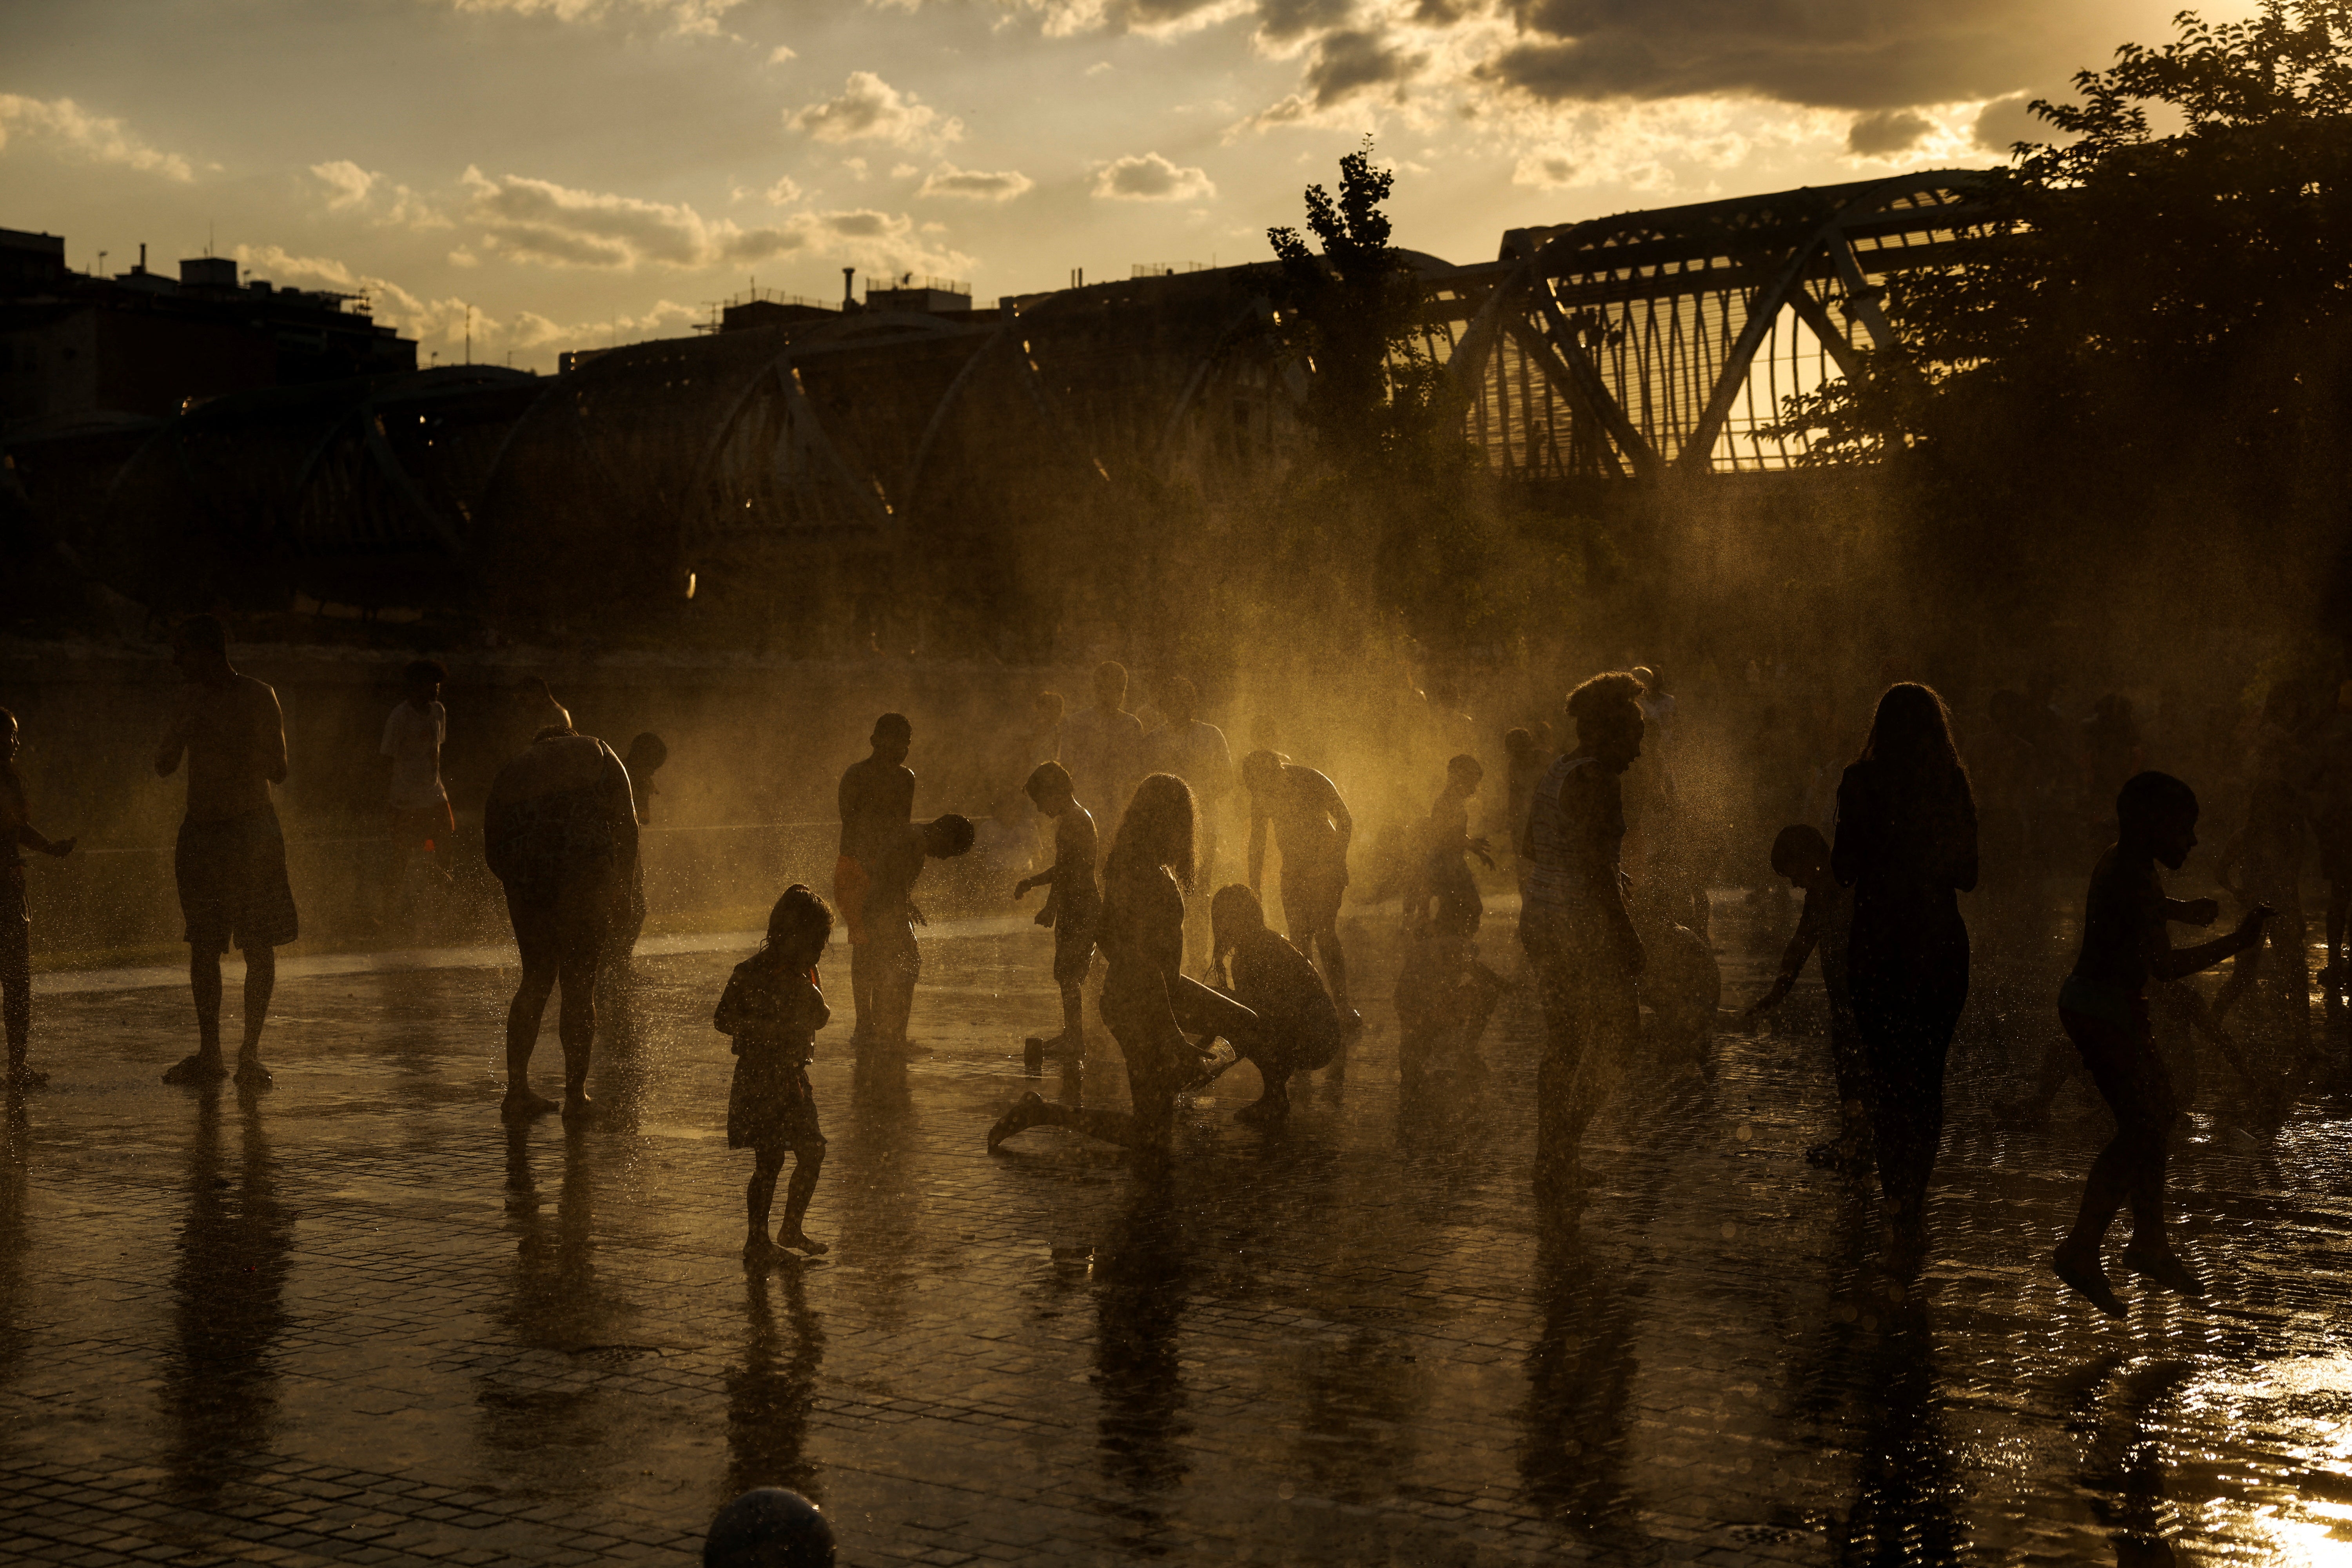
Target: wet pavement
354,1319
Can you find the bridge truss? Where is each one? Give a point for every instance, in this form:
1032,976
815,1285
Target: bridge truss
1664,341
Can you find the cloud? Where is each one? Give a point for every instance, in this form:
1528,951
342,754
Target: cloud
2001,124
1149,177
974,185
1838,53
1888,131
538,221
66,126
691,18
784,192
782,53
869,108
346,183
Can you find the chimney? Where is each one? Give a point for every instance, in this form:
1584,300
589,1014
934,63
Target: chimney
142,257
848,290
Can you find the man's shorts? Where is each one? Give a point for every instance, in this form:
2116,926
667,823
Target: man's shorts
569,926
1074,931
232,886
1310,900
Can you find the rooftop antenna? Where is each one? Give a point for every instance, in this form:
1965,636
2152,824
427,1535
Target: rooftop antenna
469,335
212,229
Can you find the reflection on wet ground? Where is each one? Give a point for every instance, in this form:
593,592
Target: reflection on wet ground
355,1319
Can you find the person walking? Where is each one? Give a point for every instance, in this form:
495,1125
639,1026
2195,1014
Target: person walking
1907,845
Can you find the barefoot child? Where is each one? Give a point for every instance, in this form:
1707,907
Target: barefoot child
1298,1027
1801,855
773,1008
2103,1007
1074,909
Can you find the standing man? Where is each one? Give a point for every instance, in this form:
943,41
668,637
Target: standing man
560,831
230,861
876,800
1312,827
417,804
1197,753
1102,746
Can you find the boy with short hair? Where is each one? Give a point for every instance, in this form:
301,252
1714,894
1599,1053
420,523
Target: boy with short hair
1074,909
878,801
891,917
2103,1007
1801,855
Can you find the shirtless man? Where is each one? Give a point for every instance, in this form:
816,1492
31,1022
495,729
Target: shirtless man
1074,909
1103,745
230,861
560,831
2103,1007
891,917
876,799
1313,828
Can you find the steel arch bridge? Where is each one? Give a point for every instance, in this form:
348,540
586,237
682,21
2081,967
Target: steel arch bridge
1661,342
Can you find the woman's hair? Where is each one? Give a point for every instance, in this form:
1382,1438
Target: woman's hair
800,918
1262,768
1911,730
1158,830
1047,777
1234,912
1604,701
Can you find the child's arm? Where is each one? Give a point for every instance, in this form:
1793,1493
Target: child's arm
1792,959
27,836
730,1018
2165,962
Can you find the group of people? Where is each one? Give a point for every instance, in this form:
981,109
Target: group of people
561,831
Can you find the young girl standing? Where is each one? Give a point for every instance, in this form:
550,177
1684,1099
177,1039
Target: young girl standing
16,832
773,1008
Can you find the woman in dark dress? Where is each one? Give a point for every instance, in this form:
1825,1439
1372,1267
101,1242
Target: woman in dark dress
1907,845
1149,1004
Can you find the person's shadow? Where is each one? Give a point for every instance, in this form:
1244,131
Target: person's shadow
228,1274
771,1393
1142,1278
1581,1373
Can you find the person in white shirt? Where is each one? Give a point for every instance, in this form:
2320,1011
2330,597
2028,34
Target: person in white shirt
418,805
1197,753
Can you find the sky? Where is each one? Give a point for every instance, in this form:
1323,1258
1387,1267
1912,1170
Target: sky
566,173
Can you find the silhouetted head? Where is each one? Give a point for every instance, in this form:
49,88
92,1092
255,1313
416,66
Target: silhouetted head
200,647
1179,701
1800,854
1607,712
770,1527
1046,708
646,754
945,837
1233,913
423,679
892,737
553,733
1262,772
799,926
1464,773
1158,830
1912,731
1518,745
1111,686
2158,813
1049,787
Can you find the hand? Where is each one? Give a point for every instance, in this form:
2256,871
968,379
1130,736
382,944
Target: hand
2250,929
61,848
1486,859
915,914
1021,889
1043,917
2202,911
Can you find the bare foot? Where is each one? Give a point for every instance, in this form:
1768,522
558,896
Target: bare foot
577,1105
2161,1265
759,1252
195,1069
1268,1110
521,1105
251,1074
22,1076
799,1240
2082,1273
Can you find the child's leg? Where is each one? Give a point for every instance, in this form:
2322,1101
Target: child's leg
1074,1018
759,1193
861,990
807,1163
